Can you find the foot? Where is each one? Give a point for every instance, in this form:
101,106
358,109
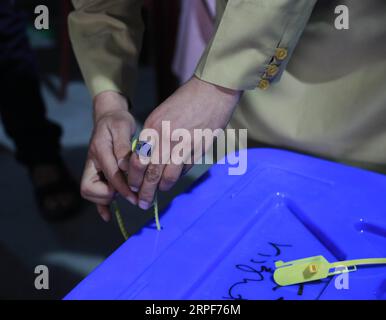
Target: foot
56,191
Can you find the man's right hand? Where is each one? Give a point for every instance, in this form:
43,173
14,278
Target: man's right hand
109,152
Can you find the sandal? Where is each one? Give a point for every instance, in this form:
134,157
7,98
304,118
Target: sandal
56,192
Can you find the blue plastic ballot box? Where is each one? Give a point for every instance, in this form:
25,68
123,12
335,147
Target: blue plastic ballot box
220,239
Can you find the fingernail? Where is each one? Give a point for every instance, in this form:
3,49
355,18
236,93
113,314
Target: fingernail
134,189
144,205
132,200
105,217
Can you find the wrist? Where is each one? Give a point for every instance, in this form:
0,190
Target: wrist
108,102
222,93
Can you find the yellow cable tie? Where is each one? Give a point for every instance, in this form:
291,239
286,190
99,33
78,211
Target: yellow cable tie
121,224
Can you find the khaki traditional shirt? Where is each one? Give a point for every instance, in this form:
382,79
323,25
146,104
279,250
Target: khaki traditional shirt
331,97
251,38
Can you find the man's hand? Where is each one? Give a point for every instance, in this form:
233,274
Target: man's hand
109,153
196,105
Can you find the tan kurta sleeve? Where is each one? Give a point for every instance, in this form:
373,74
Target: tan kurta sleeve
253,42
106,36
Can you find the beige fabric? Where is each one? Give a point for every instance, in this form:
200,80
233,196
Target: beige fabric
106,36
248,32
331,101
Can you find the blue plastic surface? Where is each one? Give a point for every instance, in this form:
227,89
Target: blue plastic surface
220,240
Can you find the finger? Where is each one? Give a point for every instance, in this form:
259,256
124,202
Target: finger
104,212
92,186
138,164
149,185
122,135
101,201
170,176
136,172
113,174
99,190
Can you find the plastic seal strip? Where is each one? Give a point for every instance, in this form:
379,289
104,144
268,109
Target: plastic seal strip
316,268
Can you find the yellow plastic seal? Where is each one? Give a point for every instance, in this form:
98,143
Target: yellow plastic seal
316,268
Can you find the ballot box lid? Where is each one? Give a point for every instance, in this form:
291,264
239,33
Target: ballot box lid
221,238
